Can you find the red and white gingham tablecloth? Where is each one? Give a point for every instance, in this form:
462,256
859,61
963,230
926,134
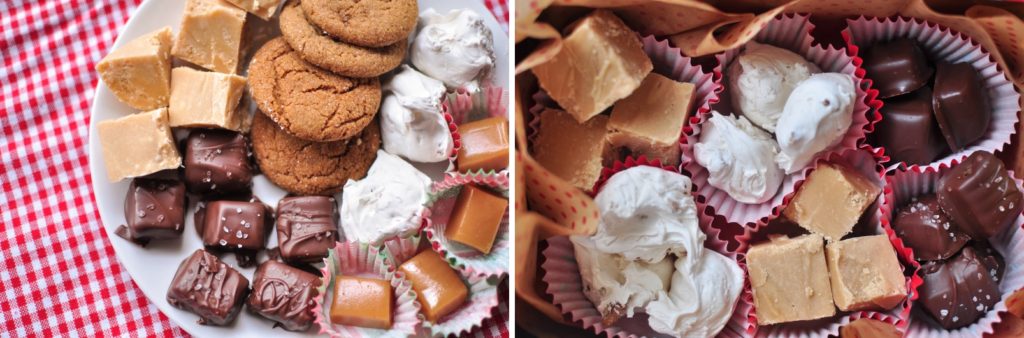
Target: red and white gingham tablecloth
59,275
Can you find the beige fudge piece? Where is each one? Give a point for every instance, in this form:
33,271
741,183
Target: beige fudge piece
205,99
650,120
571,150
261,8
210,35
865,274
138,145
600,62
831,201
789,279
139,73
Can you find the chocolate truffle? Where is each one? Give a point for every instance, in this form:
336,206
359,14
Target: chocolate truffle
209,288
958,291
908,130
234,226
980,196
217,162
897,67
284,294
960,103
153,209
307,226
929,232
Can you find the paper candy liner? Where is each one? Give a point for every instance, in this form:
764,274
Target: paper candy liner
791,32
402,248
442,199
462,106
360,259
904,185
617,166
943,43
483,297
866,162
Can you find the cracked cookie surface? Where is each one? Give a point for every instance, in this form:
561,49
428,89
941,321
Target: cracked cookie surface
372,23
337,56
312,168
309,102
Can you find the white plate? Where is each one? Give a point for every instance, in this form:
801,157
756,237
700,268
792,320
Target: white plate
153,267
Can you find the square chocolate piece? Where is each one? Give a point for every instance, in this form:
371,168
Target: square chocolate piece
209,288
217,162
284,294
307,227
153,209
233,226
980,196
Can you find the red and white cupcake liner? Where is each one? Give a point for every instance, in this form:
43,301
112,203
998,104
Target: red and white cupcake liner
462,106
363,260
482,299
946,44
904,185
867,162
791,32
442,199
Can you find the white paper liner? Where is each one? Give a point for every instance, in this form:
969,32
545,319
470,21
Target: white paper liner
943,43
442,199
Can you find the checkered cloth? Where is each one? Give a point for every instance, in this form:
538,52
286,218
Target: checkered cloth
58,273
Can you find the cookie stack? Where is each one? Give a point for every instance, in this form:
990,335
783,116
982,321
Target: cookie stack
318,90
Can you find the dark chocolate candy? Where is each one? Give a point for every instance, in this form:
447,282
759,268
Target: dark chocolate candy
235,226
980,196
908,130
990,257
217,162
209,288
307,226
897,67
154,209
960,103
284,294
929,232
958,291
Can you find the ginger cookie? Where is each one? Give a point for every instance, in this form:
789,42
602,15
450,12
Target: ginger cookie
309,102
337,56
371,23
310,168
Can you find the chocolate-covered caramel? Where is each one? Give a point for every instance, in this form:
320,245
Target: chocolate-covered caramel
958,291
908,130
897,67
284,294
929,232
960,103
980,196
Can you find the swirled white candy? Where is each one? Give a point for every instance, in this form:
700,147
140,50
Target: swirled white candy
617,285
701,299
388,202
739,157
412,125
455,48
646,214
762,78
816,117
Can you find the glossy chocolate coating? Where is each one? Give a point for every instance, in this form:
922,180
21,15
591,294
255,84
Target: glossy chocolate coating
980,196
234,226
217,162
897,67
284,294
307,226
990,257
154,208
929,232
958,291
960,103
908,130
209,288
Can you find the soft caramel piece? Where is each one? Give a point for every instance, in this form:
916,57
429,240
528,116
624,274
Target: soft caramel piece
475,218
650,120
571,150
206,99
865,274
210,35
869,328
138,145
438,287
363,302
831,201
484,145
601,61
139,73
789,279
264,9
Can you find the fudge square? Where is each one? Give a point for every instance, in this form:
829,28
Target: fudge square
138,145
832,200
206,99
209,288
139,73
865,274
789,278
650,120
571,150
210,35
